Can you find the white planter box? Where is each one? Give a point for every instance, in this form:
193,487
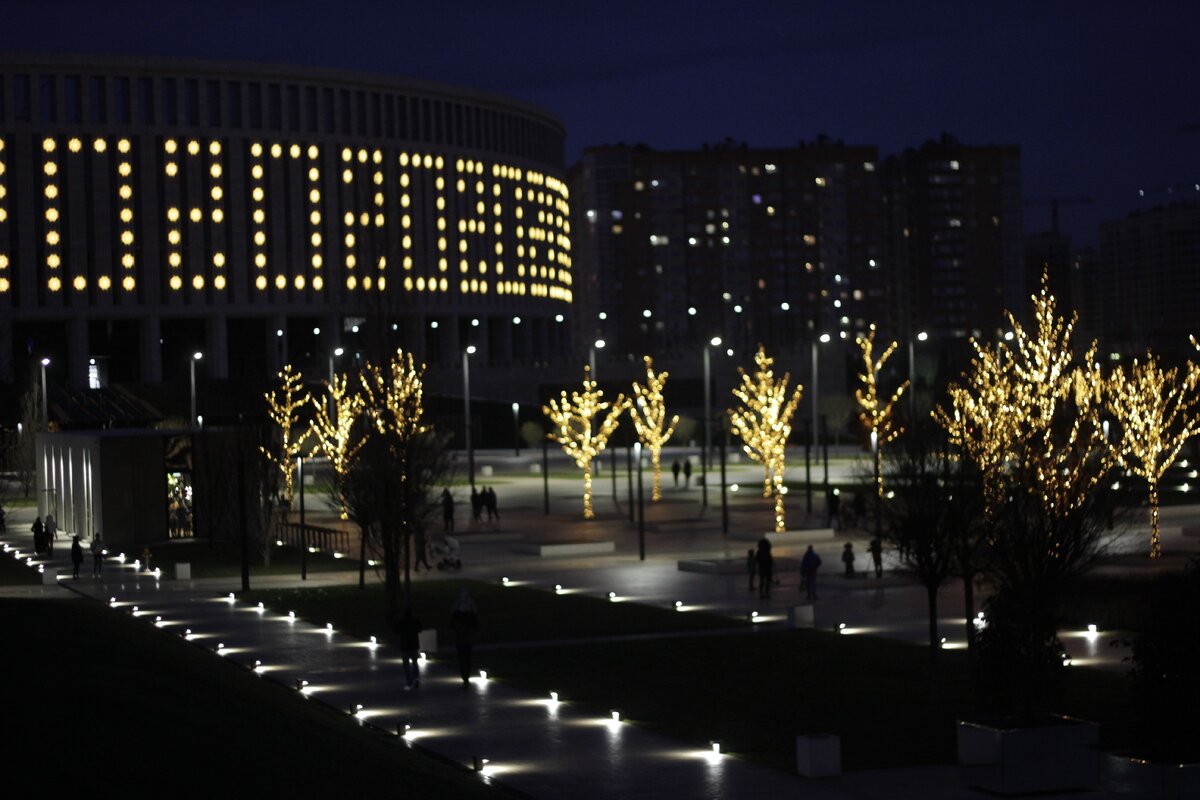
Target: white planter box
818,755
50,577
1018,758
427,641
486,470
1126,776
801,616
183,571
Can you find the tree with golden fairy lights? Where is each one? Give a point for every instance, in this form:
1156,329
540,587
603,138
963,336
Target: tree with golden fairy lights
1157,414
877,416
1028,413
650,420
282,405
336,429
763,422
573,418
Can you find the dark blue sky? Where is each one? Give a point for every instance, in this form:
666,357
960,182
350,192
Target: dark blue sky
1097,94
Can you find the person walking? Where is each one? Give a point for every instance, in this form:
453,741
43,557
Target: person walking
409,630
76,555
751,566
476,505
848,559
675,471
489,502
808,573
833,505
687,473
39,532
421,545
97,549
464,621
876,551
51,532
766,567
447,511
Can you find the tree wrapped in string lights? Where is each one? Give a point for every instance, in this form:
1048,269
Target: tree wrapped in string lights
282,405
650,420
1028,414
763,422
573,420
1157,414
337,430
876,415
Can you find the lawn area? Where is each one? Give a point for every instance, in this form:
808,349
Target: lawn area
111,705
752,689
14,573
223,559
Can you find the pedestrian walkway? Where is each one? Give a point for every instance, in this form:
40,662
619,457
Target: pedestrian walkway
529,741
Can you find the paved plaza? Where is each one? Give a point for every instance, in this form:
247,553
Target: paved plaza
532,743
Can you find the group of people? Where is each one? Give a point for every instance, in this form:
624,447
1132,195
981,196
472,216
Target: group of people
875,549
842,518
464,622
44,535
686,469
760,564
481,502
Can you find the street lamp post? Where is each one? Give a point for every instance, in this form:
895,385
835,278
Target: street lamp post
45,401
912,383
337,352
637,453
713,342
195,357
516,428
466,361
598,345
816,396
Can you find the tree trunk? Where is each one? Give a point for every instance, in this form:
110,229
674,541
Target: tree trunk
969,603
656,486
587,492
362,557
1155,544
931,593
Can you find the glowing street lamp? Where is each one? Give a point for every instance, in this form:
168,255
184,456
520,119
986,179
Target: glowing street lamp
466,361
192,365
713,342
598,345
46,404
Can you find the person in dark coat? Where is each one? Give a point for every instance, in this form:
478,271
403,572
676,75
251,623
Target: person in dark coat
833,504
464,621
489,503
675,471
687,473
421,546
51,532
97,554
476,505
39,534
848,559
808,573
766,567
447,511
76,555
409,630
876,551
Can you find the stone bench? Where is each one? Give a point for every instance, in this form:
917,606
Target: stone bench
552,549
730,566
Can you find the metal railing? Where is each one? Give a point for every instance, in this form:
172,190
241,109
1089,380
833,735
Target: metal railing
327,540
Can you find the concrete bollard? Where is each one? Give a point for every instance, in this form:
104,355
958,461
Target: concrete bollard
183,571
801,616
427,641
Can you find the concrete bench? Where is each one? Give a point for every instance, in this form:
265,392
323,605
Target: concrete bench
818,755
183,571
552,549
730,566
802,616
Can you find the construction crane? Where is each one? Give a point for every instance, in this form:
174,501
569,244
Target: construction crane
1054,203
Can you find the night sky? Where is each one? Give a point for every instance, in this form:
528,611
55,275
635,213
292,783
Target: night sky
1102,97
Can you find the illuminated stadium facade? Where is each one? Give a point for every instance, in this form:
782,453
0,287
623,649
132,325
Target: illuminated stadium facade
259,214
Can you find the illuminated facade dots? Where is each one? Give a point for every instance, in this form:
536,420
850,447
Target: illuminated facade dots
197,282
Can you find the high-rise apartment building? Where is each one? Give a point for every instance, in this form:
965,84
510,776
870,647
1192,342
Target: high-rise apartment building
955,237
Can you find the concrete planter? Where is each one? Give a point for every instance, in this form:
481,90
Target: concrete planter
1129,777
1043,754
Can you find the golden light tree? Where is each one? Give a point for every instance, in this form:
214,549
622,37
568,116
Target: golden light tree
650,420
573,419
282,405
876,415
393,396
333,428
763,422
1157,414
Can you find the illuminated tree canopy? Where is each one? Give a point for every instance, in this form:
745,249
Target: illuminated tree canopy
763,422
1157,414
282,405
876,415
650,420
573,420
336,431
